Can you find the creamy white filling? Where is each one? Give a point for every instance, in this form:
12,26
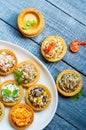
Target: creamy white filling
10,93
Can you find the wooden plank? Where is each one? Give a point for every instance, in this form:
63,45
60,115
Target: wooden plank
59,124
74,8
9,34
72,112
56,23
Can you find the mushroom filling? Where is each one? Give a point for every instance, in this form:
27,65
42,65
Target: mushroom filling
29,73
69,82
38,97
6,62
56,51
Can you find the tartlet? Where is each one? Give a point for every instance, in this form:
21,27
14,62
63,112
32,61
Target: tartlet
38,97
8,62
69,82
21,116
11,93
30,22
30,72
2,111
53,48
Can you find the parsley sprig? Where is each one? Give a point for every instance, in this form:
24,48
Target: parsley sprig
29,24
76,97
9,92
19,76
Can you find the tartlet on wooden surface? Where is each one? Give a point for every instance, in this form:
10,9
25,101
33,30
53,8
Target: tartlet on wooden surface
9,102
21,116
45,95
53,48
5,63
2,111
32,72
30,14
68,90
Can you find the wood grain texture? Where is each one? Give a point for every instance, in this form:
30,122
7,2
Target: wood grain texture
74,8
74,113
56,23
9,34
59,124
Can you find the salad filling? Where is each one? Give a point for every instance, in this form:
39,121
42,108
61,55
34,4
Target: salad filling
69,82
21,116
52,48
6,62
38,97
29,73
10,93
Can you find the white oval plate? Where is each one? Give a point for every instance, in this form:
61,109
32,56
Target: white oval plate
41,119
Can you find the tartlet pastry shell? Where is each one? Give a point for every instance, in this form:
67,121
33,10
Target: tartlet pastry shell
63,52
13,109
20,97
37,69
15,58
31,32
49,95
71,93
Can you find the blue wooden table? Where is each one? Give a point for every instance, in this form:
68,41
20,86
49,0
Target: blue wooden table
66,18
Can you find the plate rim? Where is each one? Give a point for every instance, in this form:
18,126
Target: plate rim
42,64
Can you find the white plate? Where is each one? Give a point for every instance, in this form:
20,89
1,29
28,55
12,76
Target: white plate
42,118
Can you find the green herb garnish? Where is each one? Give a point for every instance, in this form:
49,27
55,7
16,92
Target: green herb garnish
14,92
7,92
29,24
34,23
20,80
76,97
19,76
18,73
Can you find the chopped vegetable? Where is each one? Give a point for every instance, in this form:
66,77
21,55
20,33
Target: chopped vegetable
38,97
51,46
29,24
6,62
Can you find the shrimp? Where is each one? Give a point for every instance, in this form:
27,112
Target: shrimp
75,45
